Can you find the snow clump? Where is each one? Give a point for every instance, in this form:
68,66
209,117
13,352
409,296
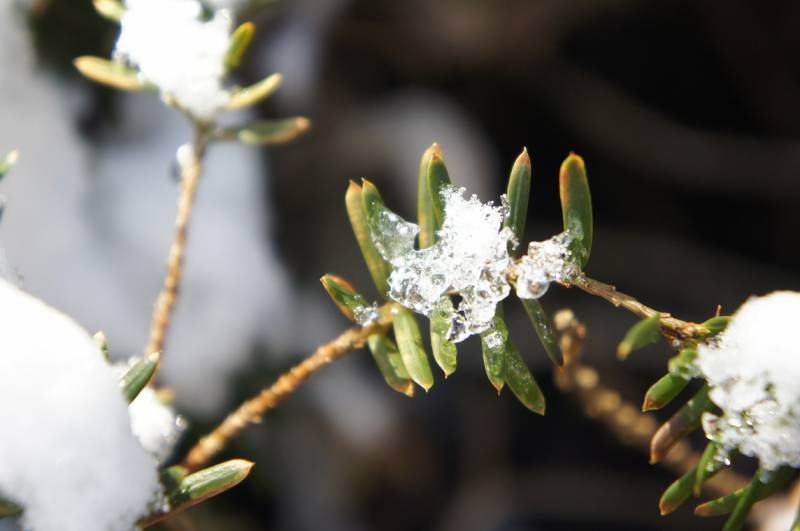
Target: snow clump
68,454
178,47
753,369
155,424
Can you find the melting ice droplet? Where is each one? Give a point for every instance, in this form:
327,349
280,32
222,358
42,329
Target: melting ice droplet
546,262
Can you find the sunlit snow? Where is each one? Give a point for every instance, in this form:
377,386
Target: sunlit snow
68,454
753,369
174,47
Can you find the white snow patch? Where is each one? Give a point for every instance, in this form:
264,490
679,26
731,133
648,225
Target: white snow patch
753,369
68,455
174,48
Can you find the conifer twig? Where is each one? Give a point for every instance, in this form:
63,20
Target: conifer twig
617,298
191,168
251,411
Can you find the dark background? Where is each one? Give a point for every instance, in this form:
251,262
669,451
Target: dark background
687,115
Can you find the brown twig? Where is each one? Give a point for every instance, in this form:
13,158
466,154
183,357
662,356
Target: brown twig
251,411
608,292
191,169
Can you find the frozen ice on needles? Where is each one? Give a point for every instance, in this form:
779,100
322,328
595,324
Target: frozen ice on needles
470,259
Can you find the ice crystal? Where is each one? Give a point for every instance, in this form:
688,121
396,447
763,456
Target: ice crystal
366,314
470,258
546,262
68,455
494,340
753,369
180,50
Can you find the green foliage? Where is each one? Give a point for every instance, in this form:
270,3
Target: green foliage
433,177
544,330
715,325
409,342
683,422
344,295
709,464
136,378
255,93
682,363
756,490
521,382
209,482
111,73
378,267
493,345
240,41
390,363
678,492
691,482
267,132
640,335
444,351
184,491
518,193
664,391
576,206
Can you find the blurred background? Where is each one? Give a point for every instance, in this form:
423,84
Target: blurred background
686,112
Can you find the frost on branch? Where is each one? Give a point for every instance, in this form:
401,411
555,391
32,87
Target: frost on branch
753,369
174,47
68,455
470,259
